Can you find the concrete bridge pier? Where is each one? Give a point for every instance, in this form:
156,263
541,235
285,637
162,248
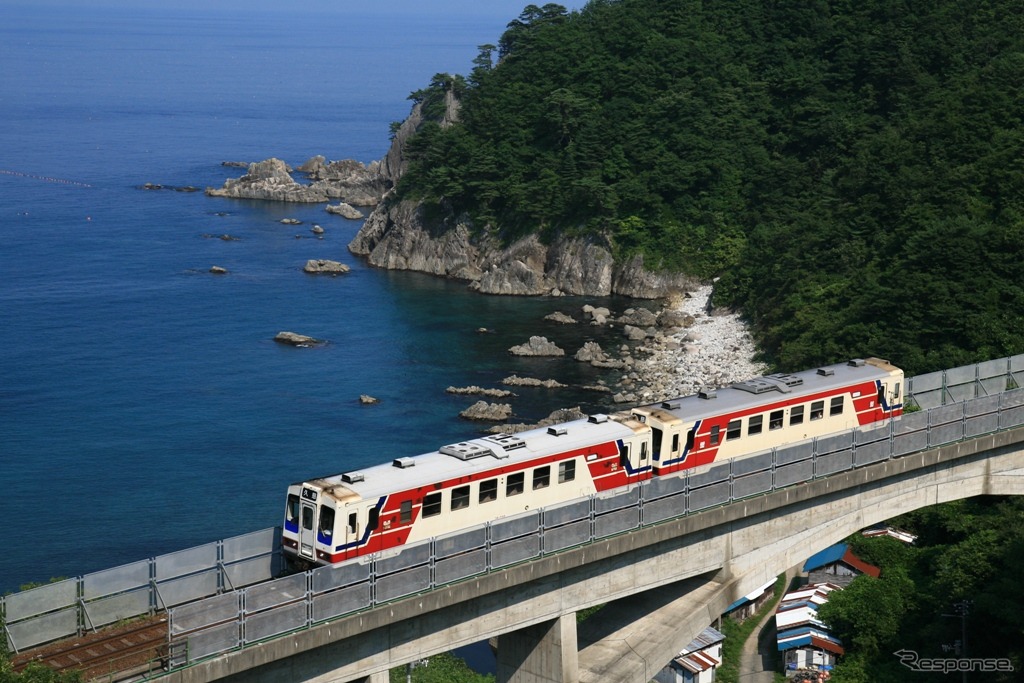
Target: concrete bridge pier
542,653
379,677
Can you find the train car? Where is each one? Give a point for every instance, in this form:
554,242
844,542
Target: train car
340,517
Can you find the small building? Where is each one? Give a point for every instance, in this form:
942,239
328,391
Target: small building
837,564
808,647
805,639
697,662
885,530
746,606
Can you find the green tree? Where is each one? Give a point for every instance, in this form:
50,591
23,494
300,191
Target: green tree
866,614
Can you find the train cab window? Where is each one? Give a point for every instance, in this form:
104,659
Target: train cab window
307,518
405,512
292,513
817,410
352,523
488,490
675,442
715,435
896,391
656,443
732,431
796,415
432,504
755,424
515,484
326,520
689,438
643,452
775,420
542,477
566,471
460,497
836,408
374,519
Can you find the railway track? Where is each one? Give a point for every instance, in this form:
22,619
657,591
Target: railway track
110,654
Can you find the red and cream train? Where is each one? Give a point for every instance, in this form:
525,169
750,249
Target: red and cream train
340,517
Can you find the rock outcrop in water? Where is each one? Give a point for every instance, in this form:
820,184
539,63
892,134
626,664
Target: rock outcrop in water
349,181
325,266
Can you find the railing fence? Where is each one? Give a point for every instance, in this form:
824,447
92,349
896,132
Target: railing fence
86,603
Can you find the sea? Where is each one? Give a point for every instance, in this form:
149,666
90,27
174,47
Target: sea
144,406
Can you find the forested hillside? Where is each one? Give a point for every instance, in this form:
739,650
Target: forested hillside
853,171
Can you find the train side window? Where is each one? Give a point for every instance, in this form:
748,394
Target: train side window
755,424
732,431
643,452
675,442
460,497
817,410
292,515
715,432
542,477
307,518
775,420
796,415
352,523
374,519
515,484
405,513
432,504
326,520
896,391
689,438
488,490
836,408
566,471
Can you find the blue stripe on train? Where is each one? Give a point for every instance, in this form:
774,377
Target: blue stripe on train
366,532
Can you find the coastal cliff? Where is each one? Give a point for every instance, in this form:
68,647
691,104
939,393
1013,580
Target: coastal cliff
397,235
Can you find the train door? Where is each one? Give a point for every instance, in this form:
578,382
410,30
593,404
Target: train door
307,530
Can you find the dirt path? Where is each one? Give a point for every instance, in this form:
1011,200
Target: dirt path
758,652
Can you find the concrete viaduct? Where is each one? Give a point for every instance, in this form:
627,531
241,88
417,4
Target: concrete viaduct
662,584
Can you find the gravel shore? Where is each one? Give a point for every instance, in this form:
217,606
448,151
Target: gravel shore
716,350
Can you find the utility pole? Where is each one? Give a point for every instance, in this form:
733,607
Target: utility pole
962,609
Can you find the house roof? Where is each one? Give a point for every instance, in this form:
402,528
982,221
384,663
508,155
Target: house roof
898,534
705,638
751,596
797,616
694,657
809,636
840,552
697,662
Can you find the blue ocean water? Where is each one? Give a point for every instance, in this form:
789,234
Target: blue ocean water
144,407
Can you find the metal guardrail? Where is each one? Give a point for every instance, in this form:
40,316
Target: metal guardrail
220,596
86,603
